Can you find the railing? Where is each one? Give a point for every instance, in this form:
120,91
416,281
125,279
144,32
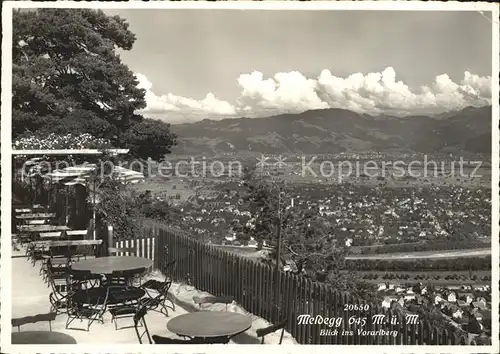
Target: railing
219,272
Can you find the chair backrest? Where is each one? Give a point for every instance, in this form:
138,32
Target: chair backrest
119,277
46,317
114,250
169,267
57,266
165,340
78,277
262,332
139,317
40,245
200,300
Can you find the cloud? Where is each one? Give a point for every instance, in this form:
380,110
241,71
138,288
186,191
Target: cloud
183,108
372,93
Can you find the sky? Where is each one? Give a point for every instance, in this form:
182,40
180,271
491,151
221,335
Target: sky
197,64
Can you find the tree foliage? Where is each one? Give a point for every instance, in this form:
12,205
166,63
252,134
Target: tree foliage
307,237
145,137
67,77
117,207
160,210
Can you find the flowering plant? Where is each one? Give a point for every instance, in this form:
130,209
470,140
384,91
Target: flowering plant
56,141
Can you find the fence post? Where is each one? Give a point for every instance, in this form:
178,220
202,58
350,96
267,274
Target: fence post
110,238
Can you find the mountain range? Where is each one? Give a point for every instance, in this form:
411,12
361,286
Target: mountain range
337,130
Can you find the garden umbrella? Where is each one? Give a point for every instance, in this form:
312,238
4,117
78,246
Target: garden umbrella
68,174
83,174
32,168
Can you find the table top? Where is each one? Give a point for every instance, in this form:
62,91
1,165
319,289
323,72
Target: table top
41,337
50,235
36,216
106,265
42,228
32,209
209,324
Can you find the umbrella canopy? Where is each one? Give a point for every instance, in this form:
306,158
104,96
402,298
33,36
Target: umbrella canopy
73,175
68,174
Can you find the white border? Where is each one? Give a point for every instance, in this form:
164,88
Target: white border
238,5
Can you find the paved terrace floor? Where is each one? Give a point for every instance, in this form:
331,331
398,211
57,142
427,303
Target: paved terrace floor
30,296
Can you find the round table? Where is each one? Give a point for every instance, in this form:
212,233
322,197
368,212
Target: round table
209,324
41,337
107,265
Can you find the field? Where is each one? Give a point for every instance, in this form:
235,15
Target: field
164,188
443,278
426,254
449,279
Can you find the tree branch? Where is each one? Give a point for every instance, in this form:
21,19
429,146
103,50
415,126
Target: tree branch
292,251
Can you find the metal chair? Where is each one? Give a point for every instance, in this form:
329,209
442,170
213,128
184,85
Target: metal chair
55,268
165,340
213,300
122,303
122,277
139,317
156,284
36,250
46,317
262,332
84,302
58,298
156,300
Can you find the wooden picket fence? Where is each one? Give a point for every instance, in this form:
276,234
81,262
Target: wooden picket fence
144,247
252,285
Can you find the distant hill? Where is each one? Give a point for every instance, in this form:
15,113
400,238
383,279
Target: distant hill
338,130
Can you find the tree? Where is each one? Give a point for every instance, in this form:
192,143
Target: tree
263,202
307,237
67,77
151,138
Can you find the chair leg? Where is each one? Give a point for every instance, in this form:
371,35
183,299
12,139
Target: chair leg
91,320
172,302
68,321
163,307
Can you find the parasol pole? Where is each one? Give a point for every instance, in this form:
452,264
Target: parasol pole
93,210
66,207
47,207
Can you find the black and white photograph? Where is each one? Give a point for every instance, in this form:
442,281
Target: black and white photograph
235,173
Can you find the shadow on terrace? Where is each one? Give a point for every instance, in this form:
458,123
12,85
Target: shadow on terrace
72,296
